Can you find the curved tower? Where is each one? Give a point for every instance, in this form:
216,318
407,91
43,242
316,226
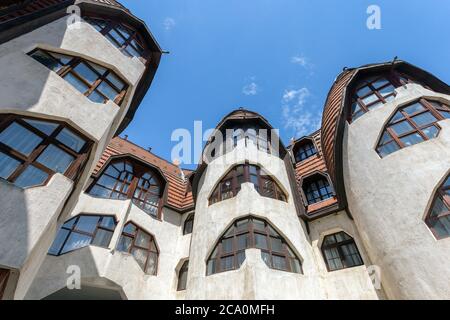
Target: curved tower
73,75
386,141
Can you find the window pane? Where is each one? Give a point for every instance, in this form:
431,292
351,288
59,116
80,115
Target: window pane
45,127
388,148
412,139
227,263
259,225
20,139
277,244
370,99
363,91
211,266
96,97
227,245
107,90
102,238
56,159
7,165
296,266
140,256
115,81
71,139
63,58
108,222
86,73
261,241
31,177
129,228
76,241
412,109
431,132
124,244
424,119
142,240
46,60
243,241
242,225
77,83
387,90
279,262
87,223
116,36
58,242
152,263
402,127
380,82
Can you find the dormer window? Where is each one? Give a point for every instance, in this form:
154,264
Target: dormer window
317,188
304,150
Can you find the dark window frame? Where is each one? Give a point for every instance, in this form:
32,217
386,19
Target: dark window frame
188,224
308,152
313,178
443,195
4,277
428,107
338,247
73,172
233,177
182,282
69,68
73,229
269,232
133,245
131,186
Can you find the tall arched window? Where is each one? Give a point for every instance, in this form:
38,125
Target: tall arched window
317,188
122,36
438,220
304,150
141,245
188,224
230,185
83,231
125,179
182,276
375,91
95,82
340,252
250,232
32,150
412,124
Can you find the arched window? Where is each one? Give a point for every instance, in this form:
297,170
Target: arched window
124,179
317,188
230,185
304,150
95,82
83,231
375,91
188,224
412,124
340,252
229,253
438,220
182,276
32,150
141,245
122,36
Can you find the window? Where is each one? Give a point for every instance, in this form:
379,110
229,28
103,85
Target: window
230,185
123,179
182,276
229,253
252,135
438,220
412,124
32,150
340,252
188,224
83,231
4,276
121,36
317,188
375,91
95,82
304,150
141,245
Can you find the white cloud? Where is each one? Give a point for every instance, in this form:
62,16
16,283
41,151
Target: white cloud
250,89
169,23
296,116
302,61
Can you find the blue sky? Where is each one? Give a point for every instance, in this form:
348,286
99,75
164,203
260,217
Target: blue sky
276,57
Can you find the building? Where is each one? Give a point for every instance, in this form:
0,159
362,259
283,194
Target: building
356,210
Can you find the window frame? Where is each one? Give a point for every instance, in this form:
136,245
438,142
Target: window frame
138,171
338,246
134,246
300,145
232,175
313,178
181,285
269,232
73,229
73,172
188,222
428,107
445,198
4,277
69,68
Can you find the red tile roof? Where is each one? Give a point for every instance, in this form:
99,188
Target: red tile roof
179,194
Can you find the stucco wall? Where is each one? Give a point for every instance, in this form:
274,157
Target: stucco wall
389,198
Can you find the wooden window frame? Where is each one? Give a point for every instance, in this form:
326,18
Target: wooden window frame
138,171
428,107
184,269
73,172
73,229
301,146
445,198
134,246
69,68
313,179
268,232
216,195
338,246
189,220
